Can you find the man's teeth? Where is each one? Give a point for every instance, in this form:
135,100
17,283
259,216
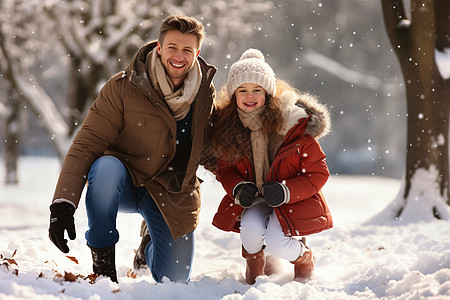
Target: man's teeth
177,65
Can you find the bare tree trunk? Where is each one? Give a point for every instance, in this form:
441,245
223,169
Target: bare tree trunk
12,134
427,92
82,91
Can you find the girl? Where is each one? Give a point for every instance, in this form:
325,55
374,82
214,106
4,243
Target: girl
271,166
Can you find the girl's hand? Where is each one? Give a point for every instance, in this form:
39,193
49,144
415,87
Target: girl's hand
245,194
275,193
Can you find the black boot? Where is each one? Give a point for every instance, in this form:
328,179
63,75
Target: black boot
103,262
139,258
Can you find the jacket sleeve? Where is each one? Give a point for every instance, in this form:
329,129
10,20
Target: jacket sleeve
312,173
228,175
98,132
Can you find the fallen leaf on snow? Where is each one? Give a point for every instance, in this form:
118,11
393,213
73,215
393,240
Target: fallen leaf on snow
72,258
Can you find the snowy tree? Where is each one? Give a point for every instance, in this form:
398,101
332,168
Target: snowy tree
13,129
19,50
419,39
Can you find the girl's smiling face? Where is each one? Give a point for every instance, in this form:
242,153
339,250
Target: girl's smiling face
250,97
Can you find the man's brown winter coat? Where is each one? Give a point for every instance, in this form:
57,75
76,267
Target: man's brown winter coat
131,121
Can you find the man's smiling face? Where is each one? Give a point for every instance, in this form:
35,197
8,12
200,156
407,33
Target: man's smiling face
178,52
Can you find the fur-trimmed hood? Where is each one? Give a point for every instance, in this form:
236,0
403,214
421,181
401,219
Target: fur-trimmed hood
296,105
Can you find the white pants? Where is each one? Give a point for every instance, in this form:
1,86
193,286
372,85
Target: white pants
259,225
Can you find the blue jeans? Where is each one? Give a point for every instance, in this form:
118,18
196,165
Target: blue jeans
110,190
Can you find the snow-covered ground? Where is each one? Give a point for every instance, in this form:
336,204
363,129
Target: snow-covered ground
355,261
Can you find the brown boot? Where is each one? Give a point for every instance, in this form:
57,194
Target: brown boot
273,265
304,265
255,265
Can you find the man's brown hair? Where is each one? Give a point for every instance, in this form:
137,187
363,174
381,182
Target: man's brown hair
184,24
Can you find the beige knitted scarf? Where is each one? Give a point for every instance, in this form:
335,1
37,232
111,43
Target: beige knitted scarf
260,144
180,100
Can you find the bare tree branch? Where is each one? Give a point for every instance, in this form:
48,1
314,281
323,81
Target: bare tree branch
313,58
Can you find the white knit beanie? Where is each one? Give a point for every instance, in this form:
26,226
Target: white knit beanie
251,68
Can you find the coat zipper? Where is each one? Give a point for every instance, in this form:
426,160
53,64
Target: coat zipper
277,162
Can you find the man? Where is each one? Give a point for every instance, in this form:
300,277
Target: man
139,148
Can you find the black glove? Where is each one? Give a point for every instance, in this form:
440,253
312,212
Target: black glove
61,218
245,194
275,193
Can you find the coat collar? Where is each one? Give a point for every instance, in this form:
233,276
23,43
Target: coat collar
300,107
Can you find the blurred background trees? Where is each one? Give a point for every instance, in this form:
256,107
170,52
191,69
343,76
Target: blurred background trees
55,55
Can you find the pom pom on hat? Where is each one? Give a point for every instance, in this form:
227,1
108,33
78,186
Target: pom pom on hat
252,53
251,68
